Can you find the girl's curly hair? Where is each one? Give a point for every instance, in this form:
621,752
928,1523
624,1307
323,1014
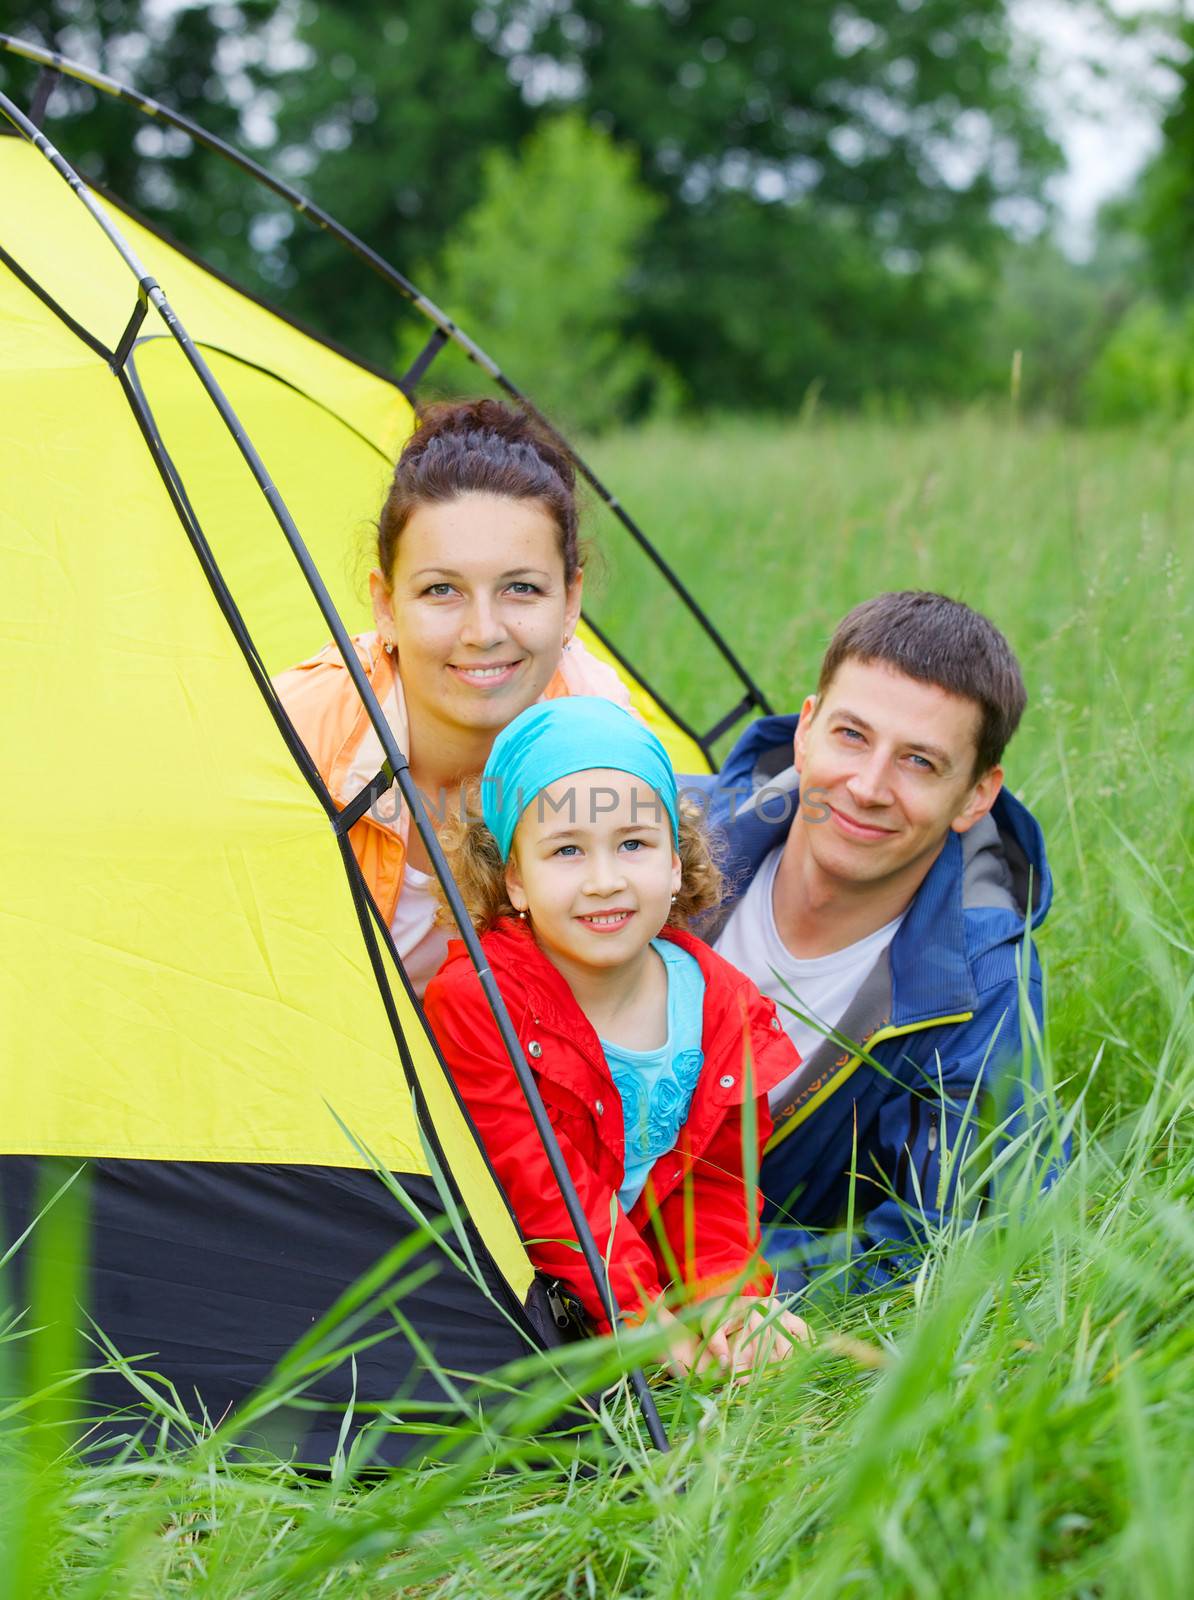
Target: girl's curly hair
480,874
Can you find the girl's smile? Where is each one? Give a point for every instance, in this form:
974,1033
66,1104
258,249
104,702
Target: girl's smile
606,921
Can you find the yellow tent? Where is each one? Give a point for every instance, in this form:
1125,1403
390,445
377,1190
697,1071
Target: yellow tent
192,997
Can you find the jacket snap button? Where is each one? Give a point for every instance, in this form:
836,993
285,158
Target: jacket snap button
534,1049
727,1080
776,1024
600,1108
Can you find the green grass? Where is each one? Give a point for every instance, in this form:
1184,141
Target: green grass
1018,1422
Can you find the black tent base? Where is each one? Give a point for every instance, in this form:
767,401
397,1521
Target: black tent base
209,1275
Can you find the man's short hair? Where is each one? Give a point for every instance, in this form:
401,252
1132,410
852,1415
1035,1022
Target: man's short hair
937,640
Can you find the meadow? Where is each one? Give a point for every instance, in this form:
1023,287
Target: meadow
1017,1421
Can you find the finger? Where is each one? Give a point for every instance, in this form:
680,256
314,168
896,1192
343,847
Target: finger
682,1358
752,1343
750,1328
777,1336
723,1316
717,1353
690,1354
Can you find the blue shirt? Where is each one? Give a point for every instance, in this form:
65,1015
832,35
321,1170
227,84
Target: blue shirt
656,1086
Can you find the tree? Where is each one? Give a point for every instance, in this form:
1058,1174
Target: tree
386,113
1050,320
1146,367
381,114
1164,209
834,178
824,170
541,268
176,55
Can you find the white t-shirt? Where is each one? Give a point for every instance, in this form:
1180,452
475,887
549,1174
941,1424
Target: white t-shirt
821,987
422,946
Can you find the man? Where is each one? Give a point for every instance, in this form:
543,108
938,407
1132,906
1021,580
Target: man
881,879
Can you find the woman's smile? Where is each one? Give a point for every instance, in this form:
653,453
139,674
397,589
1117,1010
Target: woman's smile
487,675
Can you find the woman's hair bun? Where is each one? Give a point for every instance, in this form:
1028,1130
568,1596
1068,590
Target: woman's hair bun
470,420
481,446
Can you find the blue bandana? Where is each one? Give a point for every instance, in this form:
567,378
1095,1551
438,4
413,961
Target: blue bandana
555,738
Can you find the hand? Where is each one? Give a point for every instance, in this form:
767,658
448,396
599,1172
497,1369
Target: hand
758,1333
736,1338
690,1349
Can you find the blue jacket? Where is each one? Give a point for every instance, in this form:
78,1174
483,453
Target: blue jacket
939,1013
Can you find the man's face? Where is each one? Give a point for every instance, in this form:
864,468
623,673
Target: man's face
886,772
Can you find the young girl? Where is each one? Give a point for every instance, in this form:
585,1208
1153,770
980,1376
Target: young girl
652,1054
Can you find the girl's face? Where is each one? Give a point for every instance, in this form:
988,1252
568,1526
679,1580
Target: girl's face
478,610
595,868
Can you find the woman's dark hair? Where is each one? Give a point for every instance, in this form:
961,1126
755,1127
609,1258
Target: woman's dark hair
464,447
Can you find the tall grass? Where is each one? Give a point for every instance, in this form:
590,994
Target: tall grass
1018,1420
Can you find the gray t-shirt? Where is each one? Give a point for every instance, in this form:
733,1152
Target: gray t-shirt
819,988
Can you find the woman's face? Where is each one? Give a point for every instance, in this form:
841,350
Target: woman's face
478,610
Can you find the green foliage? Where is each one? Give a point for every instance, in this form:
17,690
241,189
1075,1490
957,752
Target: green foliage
382,117
1146,368
798,302
385,118
1057,314
172,54
541,272
1164,210
826,174
828,179
857,108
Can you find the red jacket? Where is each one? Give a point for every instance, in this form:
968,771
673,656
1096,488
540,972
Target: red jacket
695,1196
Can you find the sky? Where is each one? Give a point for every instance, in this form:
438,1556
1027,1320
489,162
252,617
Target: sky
1103,96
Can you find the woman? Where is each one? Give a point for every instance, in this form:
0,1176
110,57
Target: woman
476,596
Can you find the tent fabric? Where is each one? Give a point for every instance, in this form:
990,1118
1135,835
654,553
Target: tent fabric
211,1273
185,996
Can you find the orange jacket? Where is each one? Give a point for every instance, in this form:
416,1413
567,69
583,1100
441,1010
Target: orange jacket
322,702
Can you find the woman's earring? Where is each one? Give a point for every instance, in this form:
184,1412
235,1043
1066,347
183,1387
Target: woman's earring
389,647
673,899
522,916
